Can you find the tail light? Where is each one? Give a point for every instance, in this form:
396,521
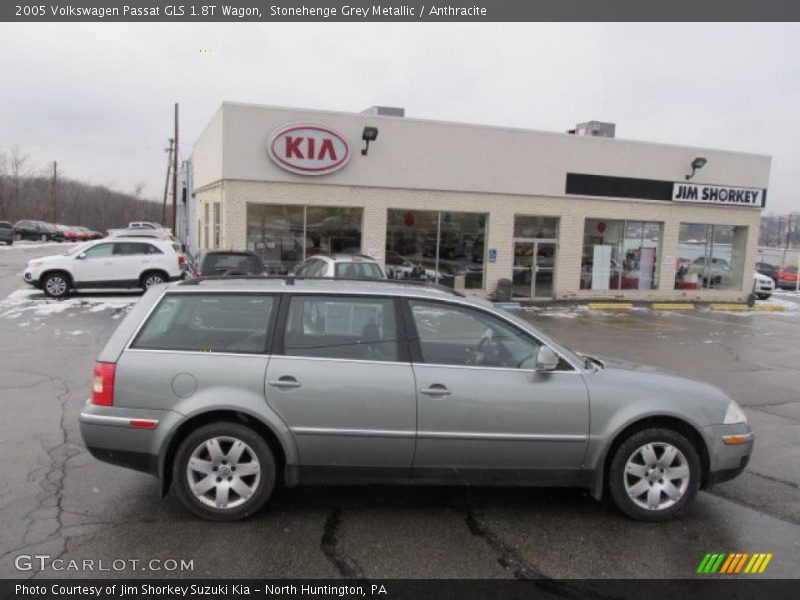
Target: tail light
103,384
181,260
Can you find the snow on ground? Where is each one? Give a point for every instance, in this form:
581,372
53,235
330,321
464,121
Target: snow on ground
28,244
33,303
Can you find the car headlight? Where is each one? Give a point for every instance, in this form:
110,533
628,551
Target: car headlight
734,414
36,263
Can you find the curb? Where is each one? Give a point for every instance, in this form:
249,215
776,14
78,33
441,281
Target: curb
721,306
671,306
610,305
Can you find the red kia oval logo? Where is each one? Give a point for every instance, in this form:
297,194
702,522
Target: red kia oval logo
308,149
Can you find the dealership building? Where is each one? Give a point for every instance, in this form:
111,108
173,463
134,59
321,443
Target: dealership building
575,215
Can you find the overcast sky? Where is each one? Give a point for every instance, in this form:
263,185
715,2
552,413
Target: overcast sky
98,98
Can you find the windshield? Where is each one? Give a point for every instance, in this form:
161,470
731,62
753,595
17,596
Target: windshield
78,249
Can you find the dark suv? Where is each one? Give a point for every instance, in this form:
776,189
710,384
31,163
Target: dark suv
209,263
6,232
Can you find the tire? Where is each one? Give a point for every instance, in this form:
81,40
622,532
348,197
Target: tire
151,278
629,473
256,487
56,285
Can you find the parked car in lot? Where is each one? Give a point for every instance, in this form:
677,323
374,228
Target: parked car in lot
763,286
787,278
223,388
117,263
143,225
37,230
349,266
769,270
6,233
222,262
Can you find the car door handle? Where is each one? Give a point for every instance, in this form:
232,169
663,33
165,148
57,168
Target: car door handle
285,382
437,389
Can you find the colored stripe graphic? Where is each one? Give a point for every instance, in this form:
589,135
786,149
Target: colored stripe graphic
733,563
765,563
741,563
727,564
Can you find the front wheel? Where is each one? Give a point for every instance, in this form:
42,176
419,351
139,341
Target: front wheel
56,285
225,471
654,474
150,279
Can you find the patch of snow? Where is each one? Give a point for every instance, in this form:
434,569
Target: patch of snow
33,301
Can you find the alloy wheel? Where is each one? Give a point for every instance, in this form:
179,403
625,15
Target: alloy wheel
656,476
152,280
223,472
55,286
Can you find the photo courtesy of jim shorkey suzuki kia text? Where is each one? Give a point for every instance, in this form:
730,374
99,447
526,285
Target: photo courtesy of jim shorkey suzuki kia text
127,590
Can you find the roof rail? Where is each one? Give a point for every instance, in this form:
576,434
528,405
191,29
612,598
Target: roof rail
291,278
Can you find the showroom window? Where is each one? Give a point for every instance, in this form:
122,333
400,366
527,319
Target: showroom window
216,225
620,255
284,235
710,257
443,247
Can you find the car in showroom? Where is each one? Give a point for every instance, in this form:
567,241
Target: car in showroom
226,387
106,263
763,286
787,278
348,266
769,270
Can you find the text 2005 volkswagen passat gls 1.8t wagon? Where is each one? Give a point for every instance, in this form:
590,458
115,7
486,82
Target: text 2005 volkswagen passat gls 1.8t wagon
226,388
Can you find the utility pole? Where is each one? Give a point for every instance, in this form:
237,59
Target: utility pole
175,178
55,192
166,182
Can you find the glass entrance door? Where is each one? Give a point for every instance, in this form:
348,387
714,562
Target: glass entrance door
544,269
522,279
534,269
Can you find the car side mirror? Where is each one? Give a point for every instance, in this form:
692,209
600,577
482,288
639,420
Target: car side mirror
81,256
546,360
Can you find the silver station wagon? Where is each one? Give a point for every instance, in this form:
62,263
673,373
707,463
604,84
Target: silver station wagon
226,388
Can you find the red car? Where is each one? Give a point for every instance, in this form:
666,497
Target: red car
787,278
70,234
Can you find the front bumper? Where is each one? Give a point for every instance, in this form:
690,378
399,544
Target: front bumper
127,437
729,451
31,277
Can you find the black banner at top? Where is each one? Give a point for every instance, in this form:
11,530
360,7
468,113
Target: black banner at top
396,11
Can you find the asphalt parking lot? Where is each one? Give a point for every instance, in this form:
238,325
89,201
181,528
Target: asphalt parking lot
57,500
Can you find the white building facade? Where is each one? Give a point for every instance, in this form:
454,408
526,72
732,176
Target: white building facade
561,215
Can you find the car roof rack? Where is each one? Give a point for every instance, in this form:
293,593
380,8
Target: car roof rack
291,278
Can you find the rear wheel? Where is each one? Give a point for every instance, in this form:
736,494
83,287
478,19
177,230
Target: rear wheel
654,474
56,285
225,471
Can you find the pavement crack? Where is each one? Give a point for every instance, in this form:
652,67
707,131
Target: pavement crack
508,557
347,567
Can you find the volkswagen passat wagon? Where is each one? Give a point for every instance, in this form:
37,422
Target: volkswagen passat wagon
226,388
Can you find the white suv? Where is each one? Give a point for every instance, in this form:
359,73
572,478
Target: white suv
342,266
107,263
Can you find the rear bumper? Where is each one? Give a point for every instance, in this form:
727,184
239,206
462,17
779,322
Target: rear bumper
127,437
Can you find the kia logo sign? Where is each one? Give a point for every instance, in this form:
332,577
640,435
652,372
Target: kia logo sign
308,149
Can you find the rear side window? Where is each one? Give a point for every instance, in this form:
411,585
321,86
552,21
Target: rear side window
352,269
354,328
209,323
